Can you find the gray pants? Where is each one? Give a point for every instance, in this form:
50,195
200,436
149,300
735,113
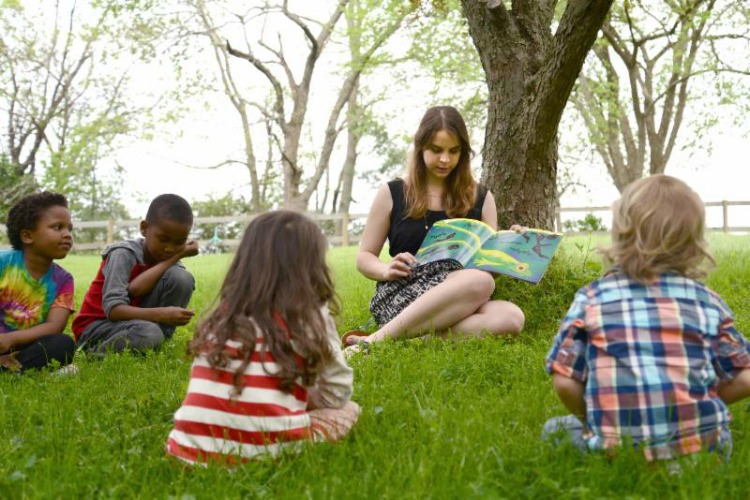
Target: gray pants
174,288
559,429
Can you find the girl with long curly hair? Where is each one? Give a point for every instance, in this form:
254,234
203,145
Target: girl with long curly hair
268,371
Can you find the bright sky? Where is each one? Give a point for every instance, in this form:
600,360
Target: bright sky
722,174
156,167
211,134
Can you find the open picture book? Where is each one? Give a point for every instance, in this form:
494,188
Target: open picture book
474,244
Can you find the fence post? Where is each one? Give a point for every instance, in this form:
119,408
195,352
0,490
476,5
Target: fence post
725,211
558,220
345,229
110,231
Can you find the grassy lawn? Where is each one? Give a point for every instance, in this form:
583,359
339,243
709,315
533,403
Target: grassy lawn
440,420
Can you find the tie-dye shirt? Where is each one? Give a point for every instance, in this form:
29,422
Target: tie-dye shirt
25,301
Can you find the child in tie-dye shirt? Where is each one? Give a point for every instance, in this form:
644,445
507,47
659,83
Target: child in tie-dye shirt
36,295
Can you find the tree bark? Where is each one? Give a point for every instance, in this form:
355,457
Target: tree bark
530,73
347,172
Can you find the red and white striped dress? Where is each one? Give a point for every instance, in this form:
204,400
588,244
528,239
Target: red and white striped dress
263,419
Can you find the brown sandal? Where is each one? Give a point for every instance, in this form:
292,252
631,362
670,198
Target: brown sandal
349,334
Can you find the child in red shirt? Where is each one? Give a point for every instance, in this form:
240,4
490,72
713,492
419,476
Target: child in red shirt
141,291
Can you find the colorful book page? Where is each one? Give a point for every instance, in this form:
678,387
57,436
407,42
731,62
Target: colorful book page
524,255
474,244
458,240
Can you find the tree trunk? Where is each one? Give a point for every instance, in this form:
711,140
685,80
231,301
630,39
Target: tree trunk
235,96
347,172
530,72
633,106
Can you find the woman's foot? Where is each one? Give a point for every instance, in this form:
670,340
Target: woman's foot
362,346
352,338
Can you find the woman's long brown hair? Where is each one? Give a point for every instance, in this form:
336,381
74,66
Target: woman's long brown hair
275,288
460,186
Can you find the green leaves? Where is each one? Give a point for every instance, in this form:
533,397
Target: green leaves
10,4
66,95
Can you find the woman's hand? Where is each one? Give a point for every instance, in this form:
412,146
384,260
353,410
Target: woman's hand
399,267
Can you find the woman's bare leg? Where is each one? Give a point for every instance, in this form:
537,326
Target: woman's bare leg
461,304
496,317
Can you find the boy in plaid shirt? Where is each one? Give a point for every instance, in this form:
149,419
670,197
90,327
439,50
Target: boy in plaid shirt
648,354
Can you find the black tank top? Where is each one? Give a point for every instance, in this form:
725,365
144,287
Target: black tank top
406,234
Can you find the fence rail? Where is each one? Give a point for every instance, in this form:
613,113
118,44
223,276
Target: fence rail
724,205
343,221
111,226
345,238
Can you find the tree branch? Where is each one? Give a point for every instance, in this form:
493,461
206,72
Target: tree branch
576,33
533,16
685,15
277,89
281,60
303,26
344,95
498,14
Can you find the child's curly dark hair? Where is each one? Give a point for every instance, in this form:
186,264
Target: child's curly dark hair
25,213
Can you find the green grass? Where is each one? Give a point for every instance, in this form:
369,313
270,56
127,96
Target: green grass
440,420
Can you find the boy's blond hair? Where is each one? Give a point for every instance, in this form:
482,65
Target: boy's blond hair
658,226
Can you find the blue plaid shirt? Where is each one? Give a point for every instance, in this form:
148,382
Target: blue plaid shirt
650,357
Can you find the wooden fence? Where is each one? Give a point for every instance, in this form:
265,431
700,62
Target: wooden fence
346,238
724,205
351,235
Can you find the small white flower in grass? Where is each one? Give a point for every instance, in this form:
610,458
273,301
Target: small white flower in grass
17,475
427,413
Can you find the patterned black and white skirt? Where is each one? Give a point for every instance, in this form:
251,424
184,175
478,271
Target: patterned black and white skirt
392,297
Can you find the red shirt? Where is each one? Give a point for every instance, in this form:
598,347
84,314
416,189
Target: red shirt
91,309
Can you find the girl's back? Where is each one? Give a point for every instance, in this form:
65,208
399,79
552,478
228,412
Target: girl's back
216,423
268,369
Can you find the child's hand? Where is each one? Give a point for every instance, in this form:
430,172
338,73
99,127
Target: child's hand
10,362
519,229
175,316
7,342
191,249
